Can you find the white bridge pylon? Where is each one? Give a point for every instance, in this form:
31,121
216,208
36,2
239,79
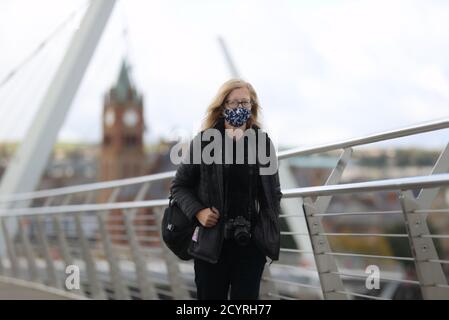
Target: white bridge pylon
28,163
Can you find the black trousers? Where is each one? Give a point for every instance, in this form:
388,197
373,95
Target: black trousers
239,268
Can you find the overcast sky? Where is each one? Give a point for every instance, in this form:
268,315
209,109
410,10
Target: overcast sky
324,70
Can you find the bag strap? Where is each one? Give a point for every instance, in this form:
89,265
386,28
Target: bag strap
208,191
250,193
170,198
209,204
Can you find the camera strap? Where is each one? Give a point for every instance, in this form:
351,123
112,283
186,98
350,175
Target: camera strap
250,176
252,170
253,186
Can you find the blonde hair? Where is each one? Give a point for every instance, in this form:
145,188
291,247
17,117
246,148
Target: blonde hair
216,107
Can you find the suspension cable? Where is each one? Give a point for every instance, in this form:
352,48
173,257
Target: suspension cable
41,45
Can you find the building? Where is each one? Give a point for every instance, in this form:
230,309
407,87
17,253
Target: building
123,154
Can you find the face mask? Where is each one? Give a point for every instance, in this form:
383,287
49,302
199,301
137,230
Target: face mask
237,117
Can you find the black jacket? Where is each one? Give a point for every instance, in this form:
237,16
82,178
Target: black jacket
199,186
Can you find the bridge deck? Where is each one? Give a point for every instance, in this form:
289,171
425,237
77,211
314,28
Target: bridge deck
11,289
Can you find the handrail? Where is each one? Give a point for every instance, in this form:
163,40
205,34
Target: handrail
388,135
435,180
411,130
407,183
87,187
76,208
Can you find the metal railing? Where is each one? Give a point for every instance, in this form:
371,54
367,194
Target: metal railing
110,231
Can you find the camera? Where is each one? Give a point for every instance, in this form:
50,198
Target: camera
238,229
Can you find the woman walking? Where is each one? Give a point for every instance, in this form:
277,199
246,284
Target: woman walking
234,205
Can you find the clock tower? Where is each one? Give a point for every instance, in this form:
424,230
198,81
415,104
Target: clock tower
122,153
122,149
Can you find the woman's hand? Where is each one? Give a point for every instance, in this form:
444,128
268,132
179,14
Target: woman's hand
208,217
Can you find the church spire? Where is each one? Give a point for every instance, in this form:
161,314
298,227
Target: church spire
124,89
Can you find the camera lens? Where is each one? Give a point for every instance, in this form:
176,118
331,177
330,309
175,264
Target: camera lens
242,236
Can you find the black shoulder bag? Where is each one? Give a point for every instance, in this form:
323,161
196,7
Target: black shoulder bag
176,230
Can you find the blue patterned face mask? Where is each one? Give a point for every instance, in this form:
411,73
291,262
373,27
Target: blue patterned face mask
238,116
